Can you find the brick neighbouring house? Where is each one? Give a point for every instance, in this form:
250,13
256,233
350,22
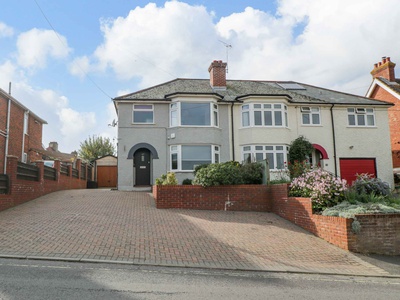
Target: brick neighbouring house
385,86
20,130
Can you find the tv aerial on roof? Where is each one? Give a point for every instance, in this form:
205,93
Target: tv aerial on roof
227,46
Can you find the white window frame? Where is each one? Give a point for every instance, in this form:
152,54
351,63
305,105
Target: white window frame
310,111
361,113
142,110
254,152
175,107
251,109
177,150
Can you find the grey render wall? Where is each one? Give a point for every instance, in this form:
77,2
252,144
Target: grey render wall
130,135
159,136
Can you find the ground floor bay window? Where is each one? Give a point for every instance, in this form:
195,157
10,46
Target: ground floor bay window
275,154
187,157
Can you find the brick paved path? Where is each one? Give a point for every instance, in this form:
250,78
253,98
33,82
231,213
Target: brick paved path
86,225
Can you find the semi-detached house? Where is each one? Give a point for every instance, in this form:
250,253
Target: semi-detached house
177,125
20,131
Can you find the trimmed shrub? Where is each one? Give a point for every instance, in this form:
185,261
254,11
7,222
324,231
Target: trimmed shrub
167,179
227,173
252,173
187,181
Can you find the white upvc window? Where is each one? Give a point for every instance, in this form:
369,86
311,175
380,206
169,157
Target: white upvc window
310,115
275,154
265,115
194,114
188,157
361,117
143,114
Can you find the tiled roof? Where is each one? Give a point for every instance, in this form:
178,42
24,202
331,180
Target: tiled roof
394,86
236,89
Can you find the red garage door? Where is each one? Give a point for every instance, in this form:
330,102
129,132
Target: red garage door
350,167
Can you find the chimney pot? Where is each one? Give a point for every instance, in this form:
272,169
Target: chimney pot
384,69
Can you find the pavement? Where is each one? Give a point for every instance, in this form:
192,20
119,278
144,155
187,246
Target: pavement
98,225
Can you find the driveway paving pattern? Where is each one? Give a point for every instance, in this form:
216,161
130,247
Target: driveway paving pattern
125,227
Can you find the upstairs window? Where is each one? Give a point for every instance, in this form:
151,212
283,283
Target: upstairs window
266,115
310,115
193,114
362,117
143,114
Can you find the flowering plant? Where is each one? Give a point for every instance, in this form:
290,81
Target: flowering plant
324,189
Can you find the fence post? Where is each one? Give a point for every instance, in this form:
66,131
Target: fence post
57,166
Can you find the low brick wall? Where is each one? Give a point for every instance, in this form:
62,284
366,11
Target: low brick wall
21,191
379,233
241,197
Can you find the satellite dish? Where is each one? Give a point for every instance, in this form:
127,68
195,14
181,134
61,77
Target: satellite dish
113,123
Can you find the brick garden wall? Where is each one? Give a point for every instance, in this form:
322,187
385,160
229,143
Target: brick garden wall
379,233
22,191
242,197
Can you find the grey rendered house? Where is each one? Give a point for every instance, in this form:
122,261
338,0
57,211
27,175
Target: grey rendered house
174,126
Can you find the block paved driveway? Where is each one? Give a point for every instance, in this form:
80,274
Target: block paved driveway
105,225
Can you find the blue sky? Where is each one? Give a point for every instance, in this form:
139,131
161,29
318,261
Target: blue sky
67,59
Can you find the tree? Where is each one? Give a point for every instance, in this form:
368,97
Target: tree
95,147
299,150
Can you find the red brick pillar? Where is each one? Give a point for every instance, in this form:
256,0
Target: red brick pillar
78,167
12,166
40,165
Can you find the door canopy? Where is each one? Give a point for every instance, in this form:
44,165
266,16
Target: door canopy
322,150
149,147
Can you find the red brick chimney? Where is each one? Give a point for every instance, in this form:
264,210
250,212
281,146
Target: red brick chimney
384,69
217,72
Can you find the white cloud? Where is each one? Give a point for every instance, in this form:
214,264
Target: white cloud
7,74
327,44
36,46
75,124
157,44
5,31
80,66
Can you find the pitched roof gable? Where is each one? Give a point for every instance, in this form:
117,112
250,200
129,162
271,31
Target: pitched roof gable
391,87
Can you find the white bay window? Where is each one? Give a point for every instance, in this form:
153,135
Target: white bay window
275,154
187,157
